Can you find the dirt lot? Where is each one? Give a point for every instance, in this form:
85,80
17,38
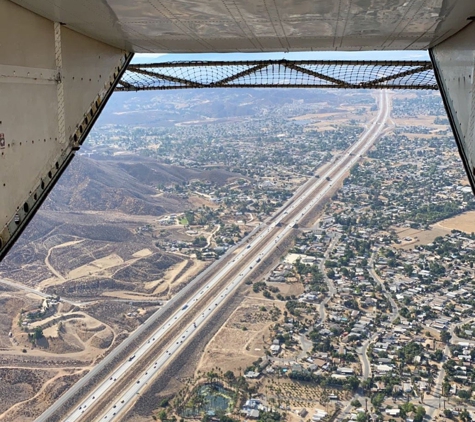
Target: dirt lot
241,340
418,237
464,222
289,289
427,121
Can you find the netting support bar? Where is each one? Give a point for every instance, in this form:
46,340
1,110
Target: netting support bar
346,74
378,82
225,81
185,82
339,83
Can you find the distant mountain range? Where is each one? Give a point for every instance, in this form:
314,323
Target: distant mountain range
166,108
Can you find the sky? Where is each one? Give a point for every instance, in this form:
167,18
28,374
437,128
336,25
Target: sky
311,55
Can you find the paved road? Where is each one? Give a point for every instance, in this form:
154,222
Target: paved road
362,352
19,286
433,401
457,340
363,355
377,278
307,346
330,284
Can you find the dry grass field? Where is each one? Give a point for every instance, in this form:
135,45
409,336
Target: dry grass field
464,222
241,340
418,237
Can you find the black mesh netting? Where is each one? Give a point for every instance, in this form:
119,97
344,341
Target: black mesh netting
281,73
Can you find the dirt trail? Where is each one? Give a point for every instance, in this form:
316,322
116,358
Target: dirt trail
210,236
61,373
63,245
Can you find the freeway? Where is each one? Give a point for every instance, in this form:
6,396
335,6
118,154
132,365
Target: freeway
267,236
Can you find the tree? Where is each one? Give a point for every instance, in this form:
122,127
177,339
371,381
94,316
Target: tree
420,413
438,355
353,382
445,389
465,416
38,333
377,400
224,418
405,409
229,375
362,417
267,294
408,269
445,336
356,403
448,413
270,416
464,394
